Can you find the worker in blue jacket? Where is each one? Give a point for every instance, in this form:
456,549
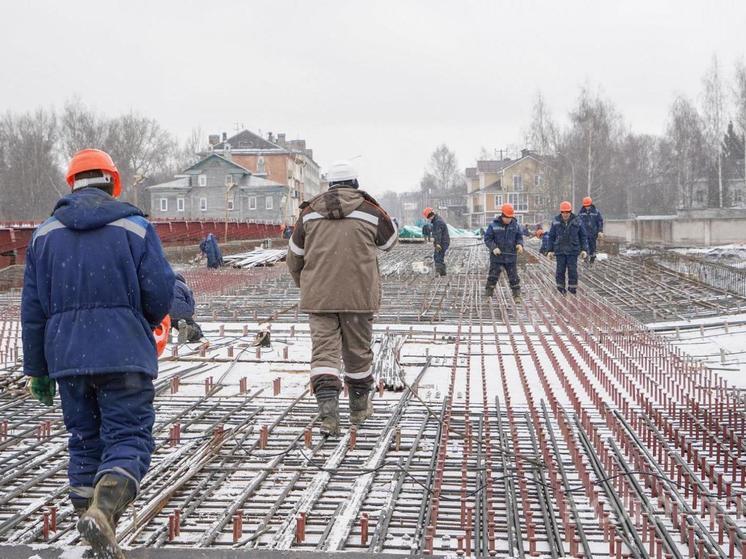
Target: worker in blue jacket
210,248
504,238
566,241
182,312
96,283
594,225
441,239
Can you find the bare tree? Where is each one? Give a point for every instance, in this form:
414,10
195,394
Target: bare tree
544,137
442,174
31,179
591,142
685,133
714,119
142,151
81,128
739,95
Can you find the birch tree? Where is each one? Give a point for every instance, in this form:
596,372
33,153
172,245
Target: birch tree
714,119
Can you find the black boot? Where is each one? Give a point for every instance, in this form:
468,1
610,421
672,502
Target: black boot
98,524
592,259
329,412
361,406
561,289
489,290
517,294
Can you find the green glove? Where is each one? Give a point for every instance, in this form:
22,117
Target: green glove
43,389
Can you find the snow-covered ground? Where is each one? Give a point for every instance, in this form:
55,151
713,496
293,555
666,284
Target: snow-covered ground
719,341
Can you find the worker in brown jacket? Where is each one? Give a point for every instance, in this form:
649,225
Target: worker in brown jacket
333,258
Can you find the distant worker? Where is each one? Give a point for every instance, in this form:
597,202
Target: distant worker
427,231
441,240
96,287
594,225
565,241
210,248
333,258
182,312
544,238
287,232
505,241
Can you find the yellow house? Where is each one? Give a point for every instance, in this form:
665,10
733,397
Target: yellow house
494,182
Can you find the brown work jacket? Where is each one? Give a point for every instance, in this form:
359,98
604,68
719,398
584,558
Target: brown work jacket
333,252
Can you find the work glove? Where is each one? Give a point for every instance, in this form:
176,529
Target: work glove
583,254
550,254
438,248
43,389
600,234
496,251
519,249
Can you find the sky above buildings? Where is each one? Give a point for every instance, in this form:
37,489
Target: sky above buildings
384,82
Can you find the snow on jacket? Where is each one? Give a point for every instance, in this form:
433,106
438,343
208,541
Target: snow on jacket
592,219
567,237
96,282
333,253
210,247
505,237
182,306
440,232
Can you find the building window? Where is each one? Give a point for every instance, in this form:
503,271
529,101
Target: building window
252,202
229,205
498,200
268,203
519,201
180,204
203,204
538,179
228,180
164,204
202,180
517,182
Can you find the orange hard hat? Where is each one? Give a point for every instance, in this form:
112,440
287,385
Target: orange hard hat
587,201
160,333
427,211
507,210
93,160
565,206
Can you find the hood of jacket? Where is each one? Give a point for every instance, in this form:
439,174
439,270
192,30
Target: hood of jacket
337,203
91,208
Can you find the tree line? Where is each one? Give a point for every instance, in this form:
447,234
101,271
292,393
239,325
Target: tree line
35,147
697,161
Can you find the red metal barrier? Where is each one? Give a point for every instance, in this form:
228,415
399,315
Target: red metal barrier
14,238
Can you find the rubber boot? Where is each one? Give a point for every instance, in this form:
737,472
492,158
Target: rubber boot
592,259
98,524
489,290
329,411
183,332
572,290
561,289
361,405
517,295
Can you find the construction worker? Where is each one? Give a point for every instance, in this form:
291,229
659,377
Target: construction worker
566,240
182,312
594,225
96,284
441,239
504,238
210,248
333,258
427,231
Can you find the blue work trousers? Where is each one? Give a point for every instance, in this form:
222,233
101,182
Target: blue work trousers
511,268
592,244
567,265
109,418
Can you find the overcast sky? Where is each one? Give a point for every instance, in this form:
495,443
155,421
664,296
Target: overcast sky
385,80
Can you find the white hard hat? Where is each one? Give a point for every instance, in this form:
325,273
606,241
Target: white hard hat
341,171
